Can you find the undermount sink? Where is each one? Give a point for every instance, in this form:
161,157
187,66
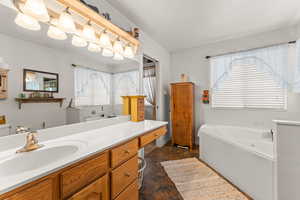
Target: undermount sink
19,163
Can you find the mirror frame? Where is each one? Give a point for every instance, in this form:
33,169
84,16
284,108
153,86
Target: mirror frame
30,70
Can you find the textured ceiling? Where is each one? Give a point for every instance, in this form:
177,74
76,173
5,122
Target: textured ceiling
179,24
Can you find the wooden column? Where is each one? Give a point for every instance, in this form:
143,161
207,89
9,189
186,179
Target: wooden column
126,105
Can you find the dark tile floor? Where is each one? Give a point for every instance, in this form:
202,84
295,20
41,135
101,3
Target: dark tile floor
157,185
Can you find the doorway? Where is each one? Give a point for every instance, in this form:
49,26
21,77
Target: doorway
150,87
150,84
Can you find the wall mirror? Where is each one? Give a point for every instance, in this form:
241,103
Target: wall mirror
39,81
90,84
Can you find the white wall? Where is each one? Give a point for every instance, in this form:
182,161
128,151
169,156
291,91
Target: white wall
193,63
153,49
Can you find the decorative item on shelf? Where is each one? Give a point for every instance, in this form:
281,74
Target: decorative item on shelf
91,6
98,30
46,95
106,16
137,108
22,95
205,97
135,32
2,119
183,78
35,95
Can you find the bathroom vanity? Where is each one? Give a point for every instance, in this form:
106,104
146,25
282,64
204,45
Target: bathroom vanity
103,166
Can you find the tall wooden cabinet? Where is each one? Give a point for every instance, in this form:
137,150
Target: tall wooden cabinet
182,114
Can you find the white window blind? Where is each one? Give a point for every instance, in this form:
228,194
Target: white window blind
247,87
92,87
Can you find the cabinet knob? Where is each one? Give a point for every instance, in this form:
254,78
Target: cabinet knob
127,174
126,152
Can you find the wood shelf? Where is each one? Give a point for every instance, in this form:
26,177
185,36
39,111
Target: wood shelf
39,100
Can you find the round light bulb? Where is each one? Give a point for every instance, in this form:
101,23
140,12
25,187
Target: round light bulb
66,23
105,41
128,52
36,9
56,33
27,22
107,53
78,41
94,47
88,33
118,47
118,56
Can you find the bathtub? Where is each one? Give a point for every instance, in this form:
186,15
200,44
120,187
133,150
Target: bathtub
244,156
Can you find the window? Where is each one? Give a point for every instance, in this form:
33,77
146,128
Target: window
124,84
248,87
92,87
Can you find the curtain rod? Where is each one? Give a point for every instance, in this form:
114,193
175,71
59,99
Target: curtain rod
290,42
129,70
91,68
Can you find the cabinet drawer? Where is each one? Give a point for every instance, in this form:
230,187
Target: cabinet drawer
40,191
151,136
130,193
123,176
98,190
81,175
124,152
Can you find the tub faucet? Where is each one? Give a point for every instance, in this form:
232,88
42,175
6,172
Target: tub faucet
31,143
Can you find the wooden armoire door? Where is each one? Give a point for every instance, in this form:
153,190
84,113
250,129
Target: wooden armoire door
182,113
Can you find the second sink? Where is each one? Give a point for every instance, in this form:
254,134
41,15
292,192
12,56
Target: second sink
28,161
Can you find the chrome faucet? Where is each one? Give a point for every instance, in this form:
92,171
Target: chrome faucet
31,143
22,129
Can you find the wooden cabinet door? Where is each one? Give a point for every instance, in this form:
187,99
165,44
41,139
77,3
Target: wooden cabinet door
122,153
98,190
40,191
151,136
182,108
79,176
130,193
123,176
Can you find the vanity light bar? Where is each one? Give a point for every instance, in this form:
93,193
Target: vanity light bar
111,31
88,13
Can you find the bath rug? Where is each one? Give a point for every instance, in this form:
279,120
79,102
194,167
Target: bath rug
196,181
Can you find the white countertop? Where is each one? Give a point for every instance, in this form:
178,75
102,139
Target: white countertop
90,142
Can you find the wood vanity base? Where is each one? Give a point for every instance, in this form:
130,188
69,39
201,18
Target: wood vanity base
109,175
